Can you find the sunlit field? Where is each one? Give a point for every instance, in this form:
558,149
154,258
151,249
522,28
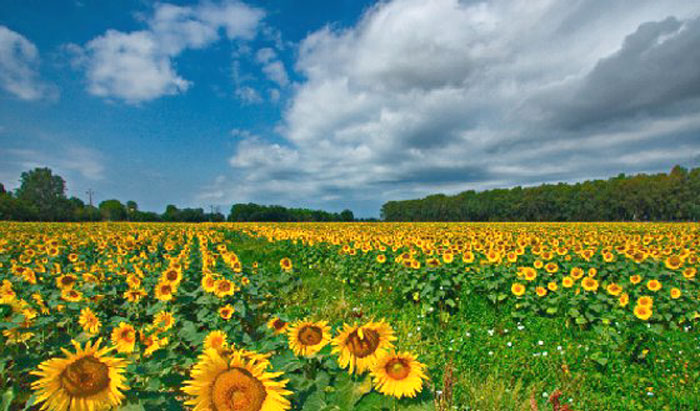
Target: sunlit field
339,316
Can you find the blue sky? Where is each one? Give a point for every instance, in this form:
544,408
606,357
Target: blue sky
343,104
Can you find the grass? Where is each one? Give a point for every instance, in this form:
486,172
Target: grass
486,360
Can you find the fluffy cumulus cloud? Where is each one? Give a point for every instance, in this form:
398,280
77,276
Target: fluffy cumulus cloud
442,96
19,60
139,66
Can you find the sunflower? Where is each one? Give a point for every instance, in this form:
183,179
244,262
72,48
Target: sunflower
517,289
306,338
235,383
163,321
529,273
551,268
654,285
468,257
645,301
552,286
381,258
624,299
208,283
215,339
164,291
541,291
223,288
172,276
589,284
567,282
152,343
72,295
689,273
135,295
398,374
642,312
675,293
89,321
613,289
576,273
359,347
226,312
277,325
286,264
636,279
673,262
85,380
124,337
66,281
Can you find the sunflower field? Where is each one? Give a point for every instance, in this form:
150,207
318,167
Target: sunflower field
342,316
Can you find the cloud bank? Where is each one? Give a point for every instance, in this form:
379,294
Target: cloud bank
442,96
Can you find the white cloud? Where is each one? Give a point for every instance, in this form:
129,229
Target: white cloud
421,97
248,95
19,60
130,66
139,66
265,55
272,67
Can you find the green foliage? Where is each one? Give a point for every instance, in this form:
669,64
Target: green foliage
661,197
113,210
256,212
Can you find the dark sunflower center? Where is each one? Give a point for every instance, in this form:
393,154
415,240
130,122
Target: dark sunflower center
237,390
310,335
279,324
165,289
172,275
127,336
225,286
362,347
67,281
85,377
397,369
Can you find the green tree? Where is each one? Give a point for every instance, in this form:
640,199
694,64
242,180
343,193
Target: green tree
43,191
113,210
131,209
347,215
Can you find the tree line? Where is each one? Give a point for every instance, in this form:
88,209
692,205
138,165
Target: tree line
658,197
41,196
256,212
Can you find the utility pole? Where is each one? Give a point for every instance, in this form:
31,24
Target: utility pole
90,194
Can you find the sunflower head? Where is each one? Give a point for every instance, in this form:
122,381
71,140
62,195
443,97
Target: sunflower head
85,380
216,340
359,347
306,338
235,382
124,337
278,325
398,374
